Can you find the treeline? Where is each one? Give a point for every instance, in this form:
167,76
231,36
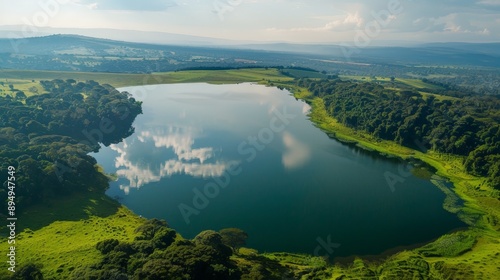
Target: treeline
158,252
448,89
477,82
228,67
467,126
304,72
47,137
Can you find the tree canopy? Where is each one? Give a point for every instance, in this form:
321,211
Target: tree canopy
233,237
47,137
204,257
467,126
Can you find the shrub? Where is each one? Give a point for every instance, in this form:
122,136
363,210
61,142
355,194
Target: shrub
107,246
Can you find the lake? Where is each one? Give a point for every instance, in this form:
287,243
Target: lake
247,156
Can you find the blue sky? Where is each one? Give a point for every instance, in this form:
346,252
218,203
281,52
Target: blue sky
273,20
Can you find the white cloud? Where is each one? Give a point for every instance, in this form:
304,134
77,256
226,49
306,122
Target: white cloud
275,20
180,140
297,154
350,20
456,23
93,6
181,143
130,5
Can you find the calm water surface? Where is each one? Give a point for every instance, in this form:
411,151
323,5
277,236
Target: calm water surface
246,156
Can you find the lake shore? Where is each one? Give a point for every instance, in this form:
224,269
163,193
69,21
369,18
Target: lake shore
481,203
481,208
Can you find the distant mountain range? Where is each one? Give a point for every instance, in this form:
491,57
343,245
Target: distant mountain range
136,36
152,44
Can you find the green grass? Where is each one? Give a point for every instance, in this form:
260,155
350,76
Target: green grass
418,84
76,207
62,235
28,86
402,83
481,209
29,81
364,78
449,245
344,134
297,73
297,259
122,80
439,97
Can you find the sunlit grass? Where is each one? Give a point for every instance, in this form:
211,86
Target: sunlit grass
24,78
449,245
67,240
417,83
61,236
481,209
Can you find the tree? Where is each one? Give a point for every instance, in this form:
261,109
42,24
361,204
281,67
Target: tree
115,259
59,167
107,245
214,240
406,94
234,238
33,90
145,247
208,237
35,127
164,237
29,271
494,173
155,269
149,229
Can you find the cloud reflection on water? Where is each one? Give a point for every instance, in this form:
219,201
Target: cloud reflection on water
187,160
296,153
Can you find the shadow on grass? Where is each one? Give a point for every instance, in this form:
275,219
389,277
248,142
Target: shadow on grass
75,207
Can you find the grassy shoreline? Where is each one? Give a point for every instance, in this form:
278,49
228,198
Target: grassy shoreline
466,186
481,209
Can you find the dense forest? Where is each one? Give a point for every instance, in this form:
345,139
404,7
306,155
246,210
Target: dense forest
466,126
47,137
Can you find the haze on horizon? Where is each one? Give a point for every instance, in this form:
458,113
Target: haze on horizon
298,21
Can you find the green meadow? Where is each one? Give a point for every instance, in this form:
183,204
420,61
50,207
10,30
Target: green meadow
25,79
62,235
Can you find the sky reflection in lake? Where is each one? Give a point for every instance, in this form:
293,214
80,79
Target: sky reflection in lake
295,186
196,162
